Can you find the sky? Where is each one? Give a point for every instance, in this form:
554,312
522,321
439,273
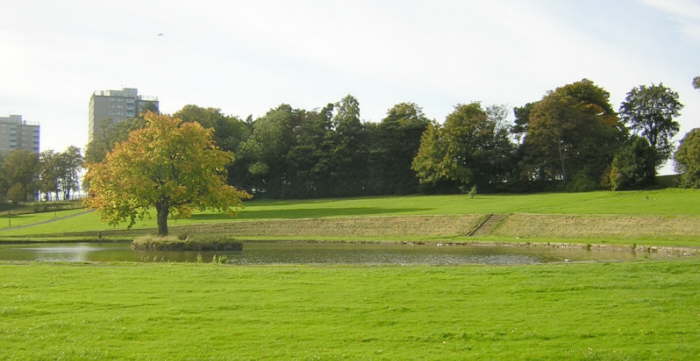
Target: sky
245,57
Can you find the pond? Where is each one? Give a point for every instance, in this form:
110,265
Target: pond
287,252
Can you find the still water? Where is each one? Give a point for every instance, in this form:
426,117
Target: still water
316,253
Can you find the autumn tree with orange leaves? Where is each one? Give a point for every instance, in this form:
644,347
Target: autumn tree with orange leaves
170,165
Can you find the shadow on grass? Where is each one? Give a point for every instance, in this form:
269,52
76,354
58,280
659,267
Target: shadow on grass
306,213
265,202
15,220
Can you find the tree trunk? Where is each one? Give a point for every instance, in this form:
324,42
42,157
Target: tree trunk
162,219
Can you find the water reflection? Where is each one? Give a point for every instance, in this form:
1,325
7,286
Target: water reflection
315,253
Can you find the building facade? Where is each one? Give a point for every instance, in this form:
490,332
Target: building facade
16,133
112,106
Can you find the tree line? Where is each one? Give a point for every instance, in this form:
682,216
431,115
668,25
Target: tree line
297,153
52,175
571,139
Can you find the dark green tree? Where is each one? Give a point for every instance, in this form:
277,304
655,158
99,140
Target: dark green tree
274,139
111,134
522,117
310,157
632,167
229,131
649,111
572,135
4,182
687,159
696,82
21,169
348,170
470,149
229,134
393,143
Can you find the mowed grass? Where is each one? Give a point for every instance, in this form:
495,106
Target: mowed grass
16,220
621,311
668,202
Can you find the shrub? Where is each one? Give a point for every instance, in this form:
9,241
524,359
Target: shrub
472,192
186,243
582,182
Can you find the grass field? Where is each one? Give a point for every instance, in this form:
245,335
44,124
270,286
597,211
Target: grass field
669,202
15,220
636,311
620,311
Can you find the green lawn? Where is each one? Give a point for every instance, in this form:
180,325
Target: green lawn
662,202
620,311
648,310
668,202
14,220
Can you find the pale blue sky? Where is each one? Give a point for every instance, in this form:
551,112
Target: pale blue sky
248,56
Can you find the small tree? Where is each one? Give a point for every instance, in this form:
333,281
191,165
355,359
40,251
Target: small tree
168,165
687,159
70,162
48,173
472,192
632,167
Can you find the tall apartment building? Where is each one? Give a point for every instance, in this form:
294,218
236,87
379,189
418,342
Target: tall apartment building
16,133
112,106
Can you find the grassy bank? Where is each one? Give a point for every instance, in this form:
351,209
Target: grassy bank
624,311
664,217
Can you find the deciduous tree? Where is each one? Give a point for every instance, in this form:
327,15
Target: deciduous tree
471,148
229,131
349,154
70,162
49,173
572,135
111,134
632,167
168,165
687,159
21,167
649,111
393,143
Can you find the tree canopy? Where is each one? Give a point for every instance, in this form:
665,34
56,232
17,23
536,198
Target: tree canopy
632,167
572,135
170,165
20,171
472,148
110,134
649,111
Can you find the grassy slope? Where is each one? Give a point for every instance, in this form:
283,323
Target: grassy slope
623,311
15,220
668,202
